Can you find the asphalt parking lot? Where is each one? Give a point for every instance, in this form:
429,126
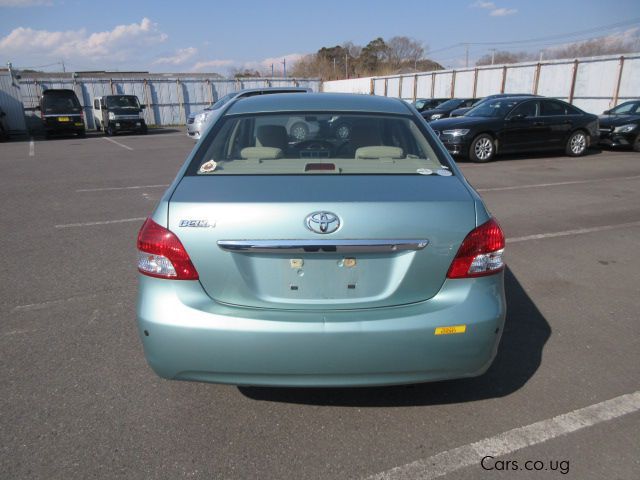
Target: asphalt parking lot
78,400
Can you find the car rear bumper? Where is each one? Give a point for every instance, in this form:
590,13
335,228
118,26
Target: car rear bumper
187,336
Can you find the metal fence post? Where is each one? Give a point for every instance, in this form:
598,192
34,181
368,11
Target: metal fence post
573,80
453,83
415,87
182,112
372,88
433,84
386,86
617,91
148,101
400,86
536,78
475,82
504,79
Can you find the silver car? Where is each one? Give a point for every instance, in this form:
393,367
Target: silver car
198,122
328,261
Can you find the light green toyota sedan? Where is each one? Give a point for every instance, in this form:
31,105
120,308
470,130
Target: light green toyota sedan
355,255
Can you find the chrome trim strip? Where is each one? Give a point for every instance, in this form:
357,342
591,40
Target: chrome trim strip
321,246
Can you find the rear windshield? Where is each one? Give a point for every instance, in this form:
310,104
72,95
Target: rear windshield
453,103
316,143
60,103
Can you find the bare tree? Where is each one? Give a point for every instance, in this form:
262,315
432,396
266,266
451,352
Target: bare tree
501,57
403,51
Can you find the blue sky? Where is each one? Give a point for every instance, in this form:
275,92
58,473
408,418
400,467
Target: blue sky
217,36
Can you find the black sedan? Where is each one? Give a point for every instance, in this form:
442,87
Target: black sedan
518,124
620,126
444,109
458,112
423,104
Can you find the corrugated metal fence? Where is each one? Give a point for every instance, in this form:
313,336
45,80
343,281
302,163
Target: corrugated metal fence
11,103
169,100
593,84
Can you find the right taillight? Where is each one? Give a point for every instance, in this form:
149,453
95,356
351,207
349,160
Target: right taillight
162,255
480,253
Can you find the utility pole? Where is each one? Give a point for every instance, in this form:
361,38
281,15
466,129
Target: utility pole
272,70
284,70
466,55
62,62
346,65
493,55
334,68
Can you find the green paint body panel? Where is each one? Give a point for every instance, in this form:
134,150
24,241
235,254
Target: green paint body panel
312,319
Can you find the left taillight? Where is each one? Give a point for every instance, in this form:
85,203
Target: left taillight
480,253
162,255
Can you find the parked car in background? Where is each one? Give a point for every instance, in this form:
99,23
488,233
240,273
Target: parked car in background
422,104
459,112
119,113
198,122
4,127
61,112
444,109
620,126
320,262
518,124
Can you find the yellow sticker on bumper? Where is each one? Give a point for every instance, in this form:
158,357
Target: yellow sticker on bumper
450,330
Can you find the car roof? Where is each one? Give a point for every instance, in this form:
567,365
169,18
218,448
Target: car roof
272,89
58,91
319,102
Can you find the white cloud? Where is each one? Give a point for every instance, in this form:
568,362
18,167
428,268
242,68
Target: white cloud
494,10
263,66
26,3
480,4
120,43
181,56
212,64
502,12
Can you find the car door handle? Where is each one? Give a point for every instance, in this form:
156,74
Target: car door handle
538,124
568,122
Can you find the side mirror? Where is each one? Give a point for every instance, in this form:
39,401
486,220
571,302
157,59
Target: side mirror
38,107
143,106
606,112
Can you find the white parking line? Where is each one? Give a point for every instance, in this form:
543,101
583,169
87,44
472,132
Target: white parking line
117,143
510,441
134,187
32,147
566,233
105,222
540,185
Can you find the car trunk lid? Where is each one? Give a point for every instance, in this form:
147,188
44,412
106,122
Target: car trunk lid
248,239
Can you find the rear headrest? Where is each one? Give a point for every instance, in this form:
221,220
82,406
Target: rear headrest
261,153
272,136
378,152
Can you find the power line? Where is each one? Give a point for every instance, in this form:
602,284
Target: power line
550,37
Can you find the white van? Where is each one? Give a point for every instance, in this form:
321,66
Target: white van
119,113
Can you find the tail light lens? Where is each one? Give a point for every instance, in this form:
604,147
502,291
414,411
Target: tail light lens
162,255
480,253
